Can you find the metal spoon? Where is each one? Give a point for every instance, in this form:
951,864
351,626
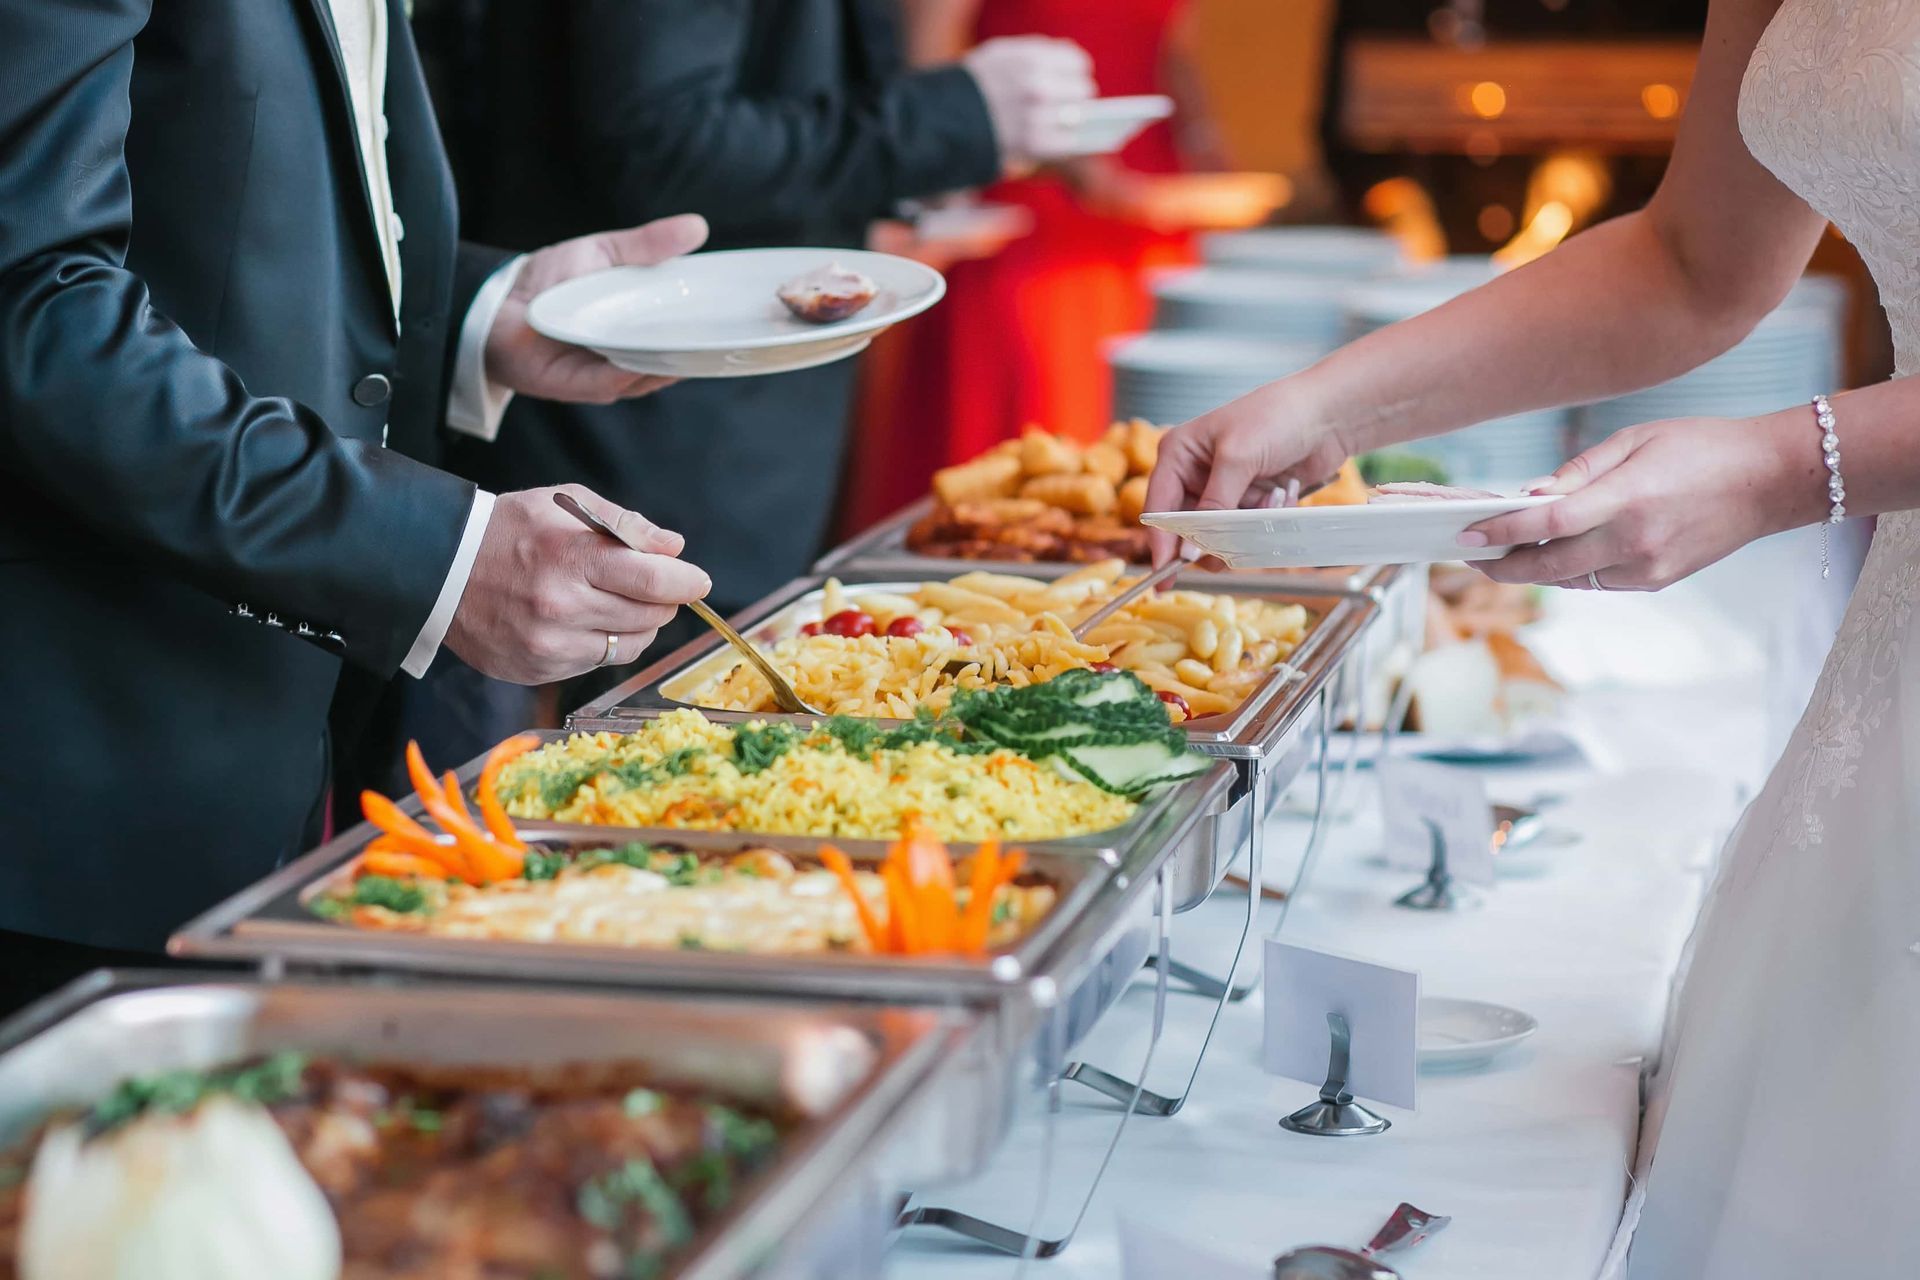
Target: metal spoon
1406,1228
783,695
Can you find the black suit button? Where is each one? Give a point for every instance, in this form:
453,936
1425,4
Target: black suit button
372,390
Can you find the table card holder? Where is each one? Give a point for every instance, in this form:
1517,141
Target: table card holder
1439,818
1321,1008
1335,1114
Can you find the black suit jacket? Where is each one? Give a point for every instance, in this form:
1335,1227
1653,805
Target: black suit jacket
198,362
782,121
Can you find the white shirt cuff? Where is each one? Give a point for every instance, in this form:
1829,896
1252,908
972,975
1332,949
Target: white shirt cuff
475,405
427,643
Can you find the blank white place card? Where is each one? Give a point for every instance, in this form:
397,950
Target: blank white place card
1381,1005
1414,793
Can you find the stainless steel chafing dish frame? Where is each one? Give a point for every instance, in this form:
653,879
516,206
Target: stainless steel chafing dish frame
820,1211
885,543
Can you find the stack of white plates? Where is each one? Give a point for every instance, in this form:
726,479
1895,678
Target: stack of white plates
1351,253
1791,356
1499,455
1169,378
1290,306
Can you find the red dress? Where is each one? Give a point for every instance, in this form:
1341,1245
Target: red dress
1018,338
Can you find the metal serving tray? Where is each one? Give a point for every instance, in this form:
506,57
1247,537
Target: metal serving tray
1268,733
886,544
823,1211
1040,996
1249,732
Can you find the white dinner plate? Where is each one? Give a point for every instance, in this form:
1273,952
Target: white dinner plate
1317,537
1105,125
717,315
1459,1035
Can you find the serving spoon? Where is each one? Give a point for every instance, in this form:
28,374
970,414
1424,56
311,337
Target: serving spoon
784,696
1406,1228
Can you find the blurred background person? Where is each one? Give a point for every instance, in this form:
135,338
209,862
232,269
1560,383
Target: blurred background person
1018,339
786,122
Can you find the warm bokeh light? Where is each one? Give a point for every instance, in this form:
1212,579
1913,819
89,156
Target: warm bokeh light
1495,222
1487,100
1404,209
1547,228
1662,101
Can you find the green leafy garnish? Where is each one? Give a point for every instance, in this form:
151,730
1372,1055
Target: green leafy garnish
756,747
746,1137
691,942
543,864
267,1081
626,855
607,1200
386,891
709,1176
330,907
1109,728
680,761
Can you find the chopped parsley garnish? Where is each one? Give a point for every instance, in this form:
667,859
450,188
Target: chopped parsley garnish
543,864
709,1176
756,747
607,1200
388,892
746,1137
329,907
1002,910
680,761
265,1082
692,942
625,855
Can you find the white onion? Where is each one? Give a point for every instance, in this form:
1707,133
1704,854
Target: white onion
215,1195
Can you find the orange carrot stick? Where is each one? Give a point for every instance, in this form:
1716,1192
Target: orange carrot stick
838,863
382,863
505,862
418,843
901,912
418,773
491,809
984,884
385,814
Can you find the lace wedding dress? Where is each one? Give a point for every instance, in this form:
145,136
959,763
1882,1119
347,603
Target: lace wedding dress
1785,1121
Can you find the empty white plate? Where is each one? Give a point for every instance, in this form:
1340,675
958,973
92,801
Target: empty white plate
1458,1035
717,315
1107,124
1316,537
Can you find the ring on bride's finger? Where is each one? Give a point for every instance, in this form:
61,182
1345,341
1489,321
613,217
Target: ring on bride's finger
1593,580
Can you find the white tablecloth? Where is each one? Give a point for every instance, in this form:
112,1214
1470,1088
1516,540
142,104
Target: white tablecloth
1529,1156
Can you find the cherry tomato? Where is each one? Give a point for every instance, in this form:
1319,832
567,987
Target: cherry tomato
959,636
850,622
809,628
906,625
1104,668
1177,702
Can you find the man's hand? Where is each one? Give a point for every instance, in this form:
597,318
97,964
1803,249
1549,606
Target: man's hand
523,361
546,591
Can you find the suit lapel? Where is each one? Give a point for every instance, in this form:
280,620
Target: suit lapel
345,141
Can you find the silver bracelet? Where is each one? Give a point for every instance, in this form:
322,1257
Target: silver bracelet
1836,487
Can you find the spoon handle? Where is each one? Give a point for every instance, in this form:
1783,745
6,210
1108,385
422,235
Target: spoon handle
1406,1228
1132,593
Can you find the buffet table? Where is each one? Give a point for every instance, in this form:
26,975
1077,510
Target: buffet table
1530,1155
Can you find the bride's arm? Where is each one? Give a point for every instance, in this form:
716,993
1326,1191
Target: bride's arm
1625,305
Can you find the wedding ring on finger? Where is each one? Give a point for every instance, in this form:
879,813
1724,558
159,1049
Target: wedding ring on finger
612,654
1593,580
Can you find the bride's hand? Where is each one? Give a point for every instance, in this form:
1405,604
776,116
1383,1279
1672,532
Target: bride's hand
1654,503
1238,454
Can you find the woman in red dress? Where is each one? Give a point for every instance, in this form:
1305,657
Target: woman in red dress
1018,339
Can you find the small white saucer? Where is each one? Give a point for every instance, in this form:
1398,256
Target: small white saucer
1316,537
1105,125
1460,1035
718,315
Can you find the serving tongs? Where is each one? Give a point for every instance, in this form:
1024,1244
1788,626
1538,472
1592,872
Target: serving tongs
784,696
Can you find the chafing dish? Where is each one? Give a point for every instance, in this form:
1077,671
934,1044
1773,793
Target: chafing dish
885,544
859,1077
1269,732
1038,996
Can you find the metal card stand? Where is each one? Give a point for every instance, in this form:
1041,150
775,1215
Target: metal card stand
1439,892
1335,1114
1030,1244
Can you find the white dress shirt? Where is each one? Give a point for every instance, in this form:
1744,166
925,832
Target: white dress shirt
475,405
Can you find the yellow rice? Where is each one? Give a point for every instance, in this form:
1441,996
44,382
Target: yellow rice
816,789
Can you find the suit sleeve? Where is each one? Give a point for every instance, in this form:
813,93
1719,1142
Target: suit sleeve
111,417
657,98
